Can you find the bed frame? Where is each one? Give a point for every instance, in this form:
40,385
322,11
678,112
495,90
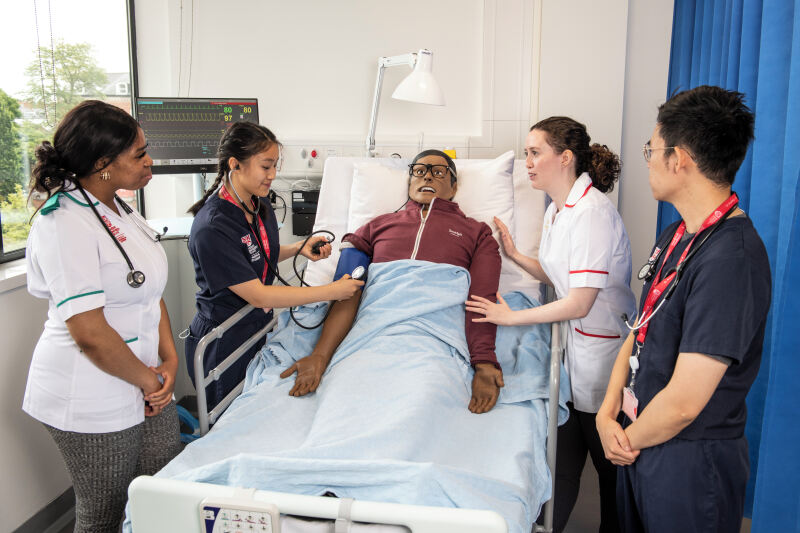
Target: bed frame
149,488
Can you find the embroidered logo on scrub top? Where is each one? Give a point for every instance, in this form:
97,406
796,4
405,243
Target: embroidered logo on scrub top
252,249
454,233
114,230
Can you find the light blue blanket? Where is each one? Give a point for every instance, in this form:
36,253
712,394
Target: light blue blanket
389,421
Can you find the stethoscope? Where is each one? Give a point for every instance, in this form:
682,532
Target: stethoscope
135,278
257,233
648,270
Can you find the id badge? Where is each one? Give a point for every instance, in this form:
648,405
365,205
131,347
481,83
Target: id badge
630,404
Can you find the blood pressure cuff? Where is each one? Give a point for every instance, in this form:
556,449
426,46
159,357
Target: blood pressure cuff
351,258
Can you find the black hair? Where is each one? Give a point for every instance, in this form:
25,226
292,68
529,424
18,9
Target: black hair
450,163
713,124
564,133
242,141
91,131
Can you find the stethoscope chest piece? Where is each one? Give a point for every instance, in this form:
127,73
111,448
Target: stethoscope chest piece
646,272
358,272
135,278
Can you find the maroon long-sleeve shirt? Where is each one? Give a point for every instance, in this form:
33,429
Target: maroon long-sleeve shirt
445,235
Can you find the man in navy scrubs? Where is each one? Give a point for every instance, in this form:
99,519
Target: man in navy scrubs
682,377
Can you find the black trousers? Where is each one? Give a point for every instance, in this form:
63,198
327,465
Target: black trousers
575,438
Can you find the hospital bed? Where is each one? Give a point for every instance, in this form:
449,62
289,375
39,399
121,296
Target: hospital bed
486,187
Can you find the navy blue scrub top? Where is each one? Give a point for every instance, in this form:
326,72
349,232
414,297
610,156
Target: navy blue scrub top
225,252
719,308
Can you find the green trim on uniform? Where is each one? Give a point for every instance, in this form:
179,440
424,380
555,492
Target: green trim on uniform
54,202
84,204
132,340
78,296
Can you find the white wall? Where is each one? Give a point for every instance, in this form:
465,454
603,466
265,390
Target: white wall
33,472
649,35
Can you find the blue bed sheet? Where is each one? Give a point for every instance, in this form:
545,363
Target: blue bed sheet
389,421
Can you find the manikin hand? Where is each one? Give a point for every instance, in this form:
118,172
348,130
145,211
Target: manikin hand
486,385
309,374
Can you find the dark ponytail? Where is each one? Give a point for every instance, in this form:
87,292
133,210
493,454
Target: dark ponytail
242,141
564,133
91,131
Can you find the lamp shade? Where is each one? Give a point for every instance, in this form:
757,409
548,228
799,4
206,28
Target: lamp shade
420,86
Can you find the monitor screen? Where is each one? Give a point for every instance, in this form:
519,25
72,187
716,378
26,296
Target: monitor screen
183,133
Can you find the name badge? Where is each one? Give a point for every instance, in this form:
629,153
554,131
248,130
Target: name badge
630,404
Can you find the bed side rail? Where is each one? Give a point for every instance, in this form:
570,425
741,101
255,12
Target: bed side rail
556,356
201,380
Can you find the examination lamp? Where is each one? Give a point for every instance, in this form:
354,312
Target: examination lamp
419,86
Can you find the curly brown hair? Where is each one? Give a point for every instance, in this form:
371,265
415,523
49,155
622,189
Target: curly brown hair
564,133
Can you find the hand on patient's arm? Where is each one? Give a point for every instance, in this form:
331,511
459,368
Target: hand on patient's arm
577,304
693,382
310,368
486,384
615,442
529,264
272,296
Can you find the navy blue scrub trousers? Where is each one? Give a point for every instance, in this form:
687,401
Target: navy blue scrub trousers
690,486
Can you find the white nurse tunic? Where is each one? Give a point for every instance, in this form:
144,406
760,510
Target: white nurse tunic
586,245
73,263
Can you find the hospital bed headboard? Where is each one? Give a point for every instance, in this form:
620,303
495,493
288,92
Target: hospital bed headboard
355,189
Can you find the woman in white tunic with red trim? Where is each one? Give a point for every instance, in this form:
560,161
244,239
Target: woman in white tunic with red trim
585,254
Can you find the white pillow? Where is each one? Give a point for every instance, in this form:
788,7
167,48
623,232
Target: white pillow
486,190
378,187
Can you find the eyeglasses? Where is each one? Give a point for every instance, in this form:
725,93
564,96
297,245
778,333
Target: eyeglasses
647,150
418,170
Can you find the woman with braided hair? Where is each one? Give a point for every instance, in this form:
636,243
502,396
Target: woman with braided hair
234,235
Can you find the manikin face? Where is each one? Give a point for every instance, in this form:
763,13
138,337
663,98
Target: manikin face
424,188
254,176
131,169
543,163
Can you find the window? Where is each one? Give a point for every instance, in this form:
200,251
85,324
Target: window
61,56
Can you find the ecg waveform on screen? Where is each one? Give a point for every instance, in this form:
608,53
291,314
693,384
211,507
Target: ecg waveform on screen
173,116
187,131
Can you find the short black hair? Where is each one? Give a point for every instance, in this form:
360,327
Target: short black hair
713,124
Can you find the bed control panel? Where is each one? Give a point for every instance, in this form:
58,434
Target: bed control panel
221,515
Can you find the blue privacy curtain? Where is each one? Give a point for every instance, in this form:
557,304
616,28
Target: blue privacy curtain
753,46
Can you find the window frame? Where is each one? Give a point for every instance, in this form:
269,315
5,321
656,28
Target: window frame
6,257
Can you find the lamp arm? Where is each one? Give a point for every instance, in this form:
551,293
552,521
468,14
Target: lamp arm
383,63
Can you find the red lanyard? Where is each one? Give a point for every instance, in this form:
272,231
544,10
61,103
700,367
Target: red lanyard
264,243
660,285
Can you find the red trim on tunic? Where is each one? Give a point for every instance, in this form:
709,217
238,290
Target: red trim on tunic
598,336
582,195
589,271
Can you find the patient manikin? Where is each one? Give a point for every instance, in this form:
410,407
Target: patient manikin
448,237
